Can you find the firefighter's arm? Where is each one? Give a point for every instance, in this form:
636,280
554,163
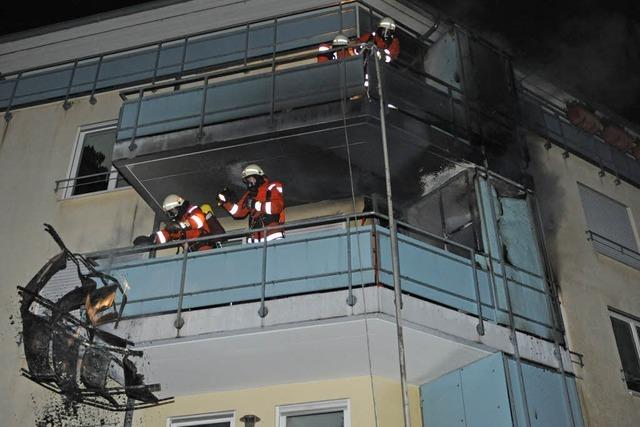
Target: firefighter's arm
394,48
164,236
195,220
237,210
275,204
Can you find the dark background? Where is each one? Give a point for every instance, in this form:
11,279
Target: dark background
591,47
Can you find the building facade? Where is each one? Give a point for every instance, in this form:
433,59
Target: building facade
510,314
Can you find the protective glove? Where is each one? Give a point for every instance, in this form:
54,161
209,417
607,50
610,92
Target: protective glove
226,195
250,202
143,240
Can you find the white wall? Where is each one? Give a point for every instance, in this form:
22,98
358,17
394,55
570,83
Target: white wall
589,282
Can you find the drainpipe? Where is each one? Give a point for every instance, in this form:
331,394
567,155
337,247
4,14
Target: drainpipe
394,247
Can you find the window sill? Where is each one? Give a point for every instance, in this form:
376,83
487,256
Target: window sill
613,250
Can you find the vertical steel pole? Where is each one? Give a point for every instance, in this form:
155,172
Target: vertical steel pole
157,62
351,299
394,246
480,325
203,108
66,104
179,322
132,143
92,98
8,114
263,310
246,46
273,69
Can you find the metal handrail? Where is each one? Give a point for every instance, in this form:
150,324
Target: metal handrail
612,245
63,184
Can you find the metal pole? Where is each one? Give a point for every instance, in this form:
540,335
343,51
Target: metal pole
273,69
351,299
132,144
263,310
203,107
394,246
66,104
157,62
92,98
246,46
128,415
179,322
480,325
8,114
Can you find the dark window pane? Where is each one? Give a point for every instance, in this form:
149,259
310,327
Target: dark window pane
95,162
329,419
628,353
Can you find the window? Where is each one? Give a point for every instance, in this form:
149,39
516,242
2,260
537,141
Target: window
91,168
333,413
225,419
627,333
610,227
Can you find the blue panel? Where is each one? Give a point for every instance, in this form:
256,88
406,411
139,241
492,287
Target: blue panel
485,393
242,97
473,396
297,264
517,234
442,404
6,88
435,274
545,397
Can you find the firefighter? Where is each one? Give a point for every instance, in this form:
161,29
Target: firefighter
263,203
187,222
384,39
340,41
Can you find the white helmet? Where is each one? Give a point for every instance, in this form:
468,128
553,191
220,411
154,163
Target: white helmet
252,169
340,40
172,204
387,23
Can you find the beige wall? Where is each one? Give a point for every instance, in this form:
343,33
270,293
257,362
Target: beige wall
589,282
263,402
35,150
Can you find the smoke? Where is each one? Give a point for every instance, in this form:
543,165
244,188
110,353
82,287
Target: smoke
591,48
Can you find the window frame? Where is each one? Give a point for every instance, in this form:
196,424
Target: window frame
634,323
201,419
311,408
76,156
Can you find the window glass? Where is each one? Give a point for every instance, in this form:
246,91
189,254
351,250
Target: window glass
607,218
628,352
329,419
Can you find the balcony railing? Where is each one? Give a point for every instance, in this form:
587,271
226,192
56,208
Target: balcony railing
317,261
614,250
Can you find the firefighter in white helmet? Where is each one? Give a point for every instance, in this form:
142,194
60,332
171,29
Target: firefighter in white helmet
341,42
384,39
186,221
262,203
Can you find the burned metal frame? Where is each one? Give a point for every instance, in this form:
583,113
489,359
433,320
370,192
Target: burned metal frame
56,340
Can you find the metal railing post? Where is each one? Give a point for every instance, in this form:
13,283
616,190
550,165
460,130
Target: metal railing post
394,247
179,322
480,325
132,143
273,69
464,83
157,62
66,104
263,310
92,98
8,114
351,299
246,46
203,107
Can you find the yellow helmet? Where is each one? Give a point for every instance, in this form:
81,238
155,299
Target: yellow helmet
207,209
252,169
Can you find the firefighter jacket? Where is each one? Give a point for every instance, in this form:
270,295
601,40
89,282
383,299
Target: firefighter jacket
391,50
190,225
267,210
325,55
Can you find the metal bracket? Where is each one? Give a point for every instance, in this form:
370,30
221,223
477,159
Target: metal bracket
263,311
351,300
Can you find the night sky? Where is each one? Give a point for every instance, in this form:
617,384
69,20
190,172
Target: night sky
591,47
